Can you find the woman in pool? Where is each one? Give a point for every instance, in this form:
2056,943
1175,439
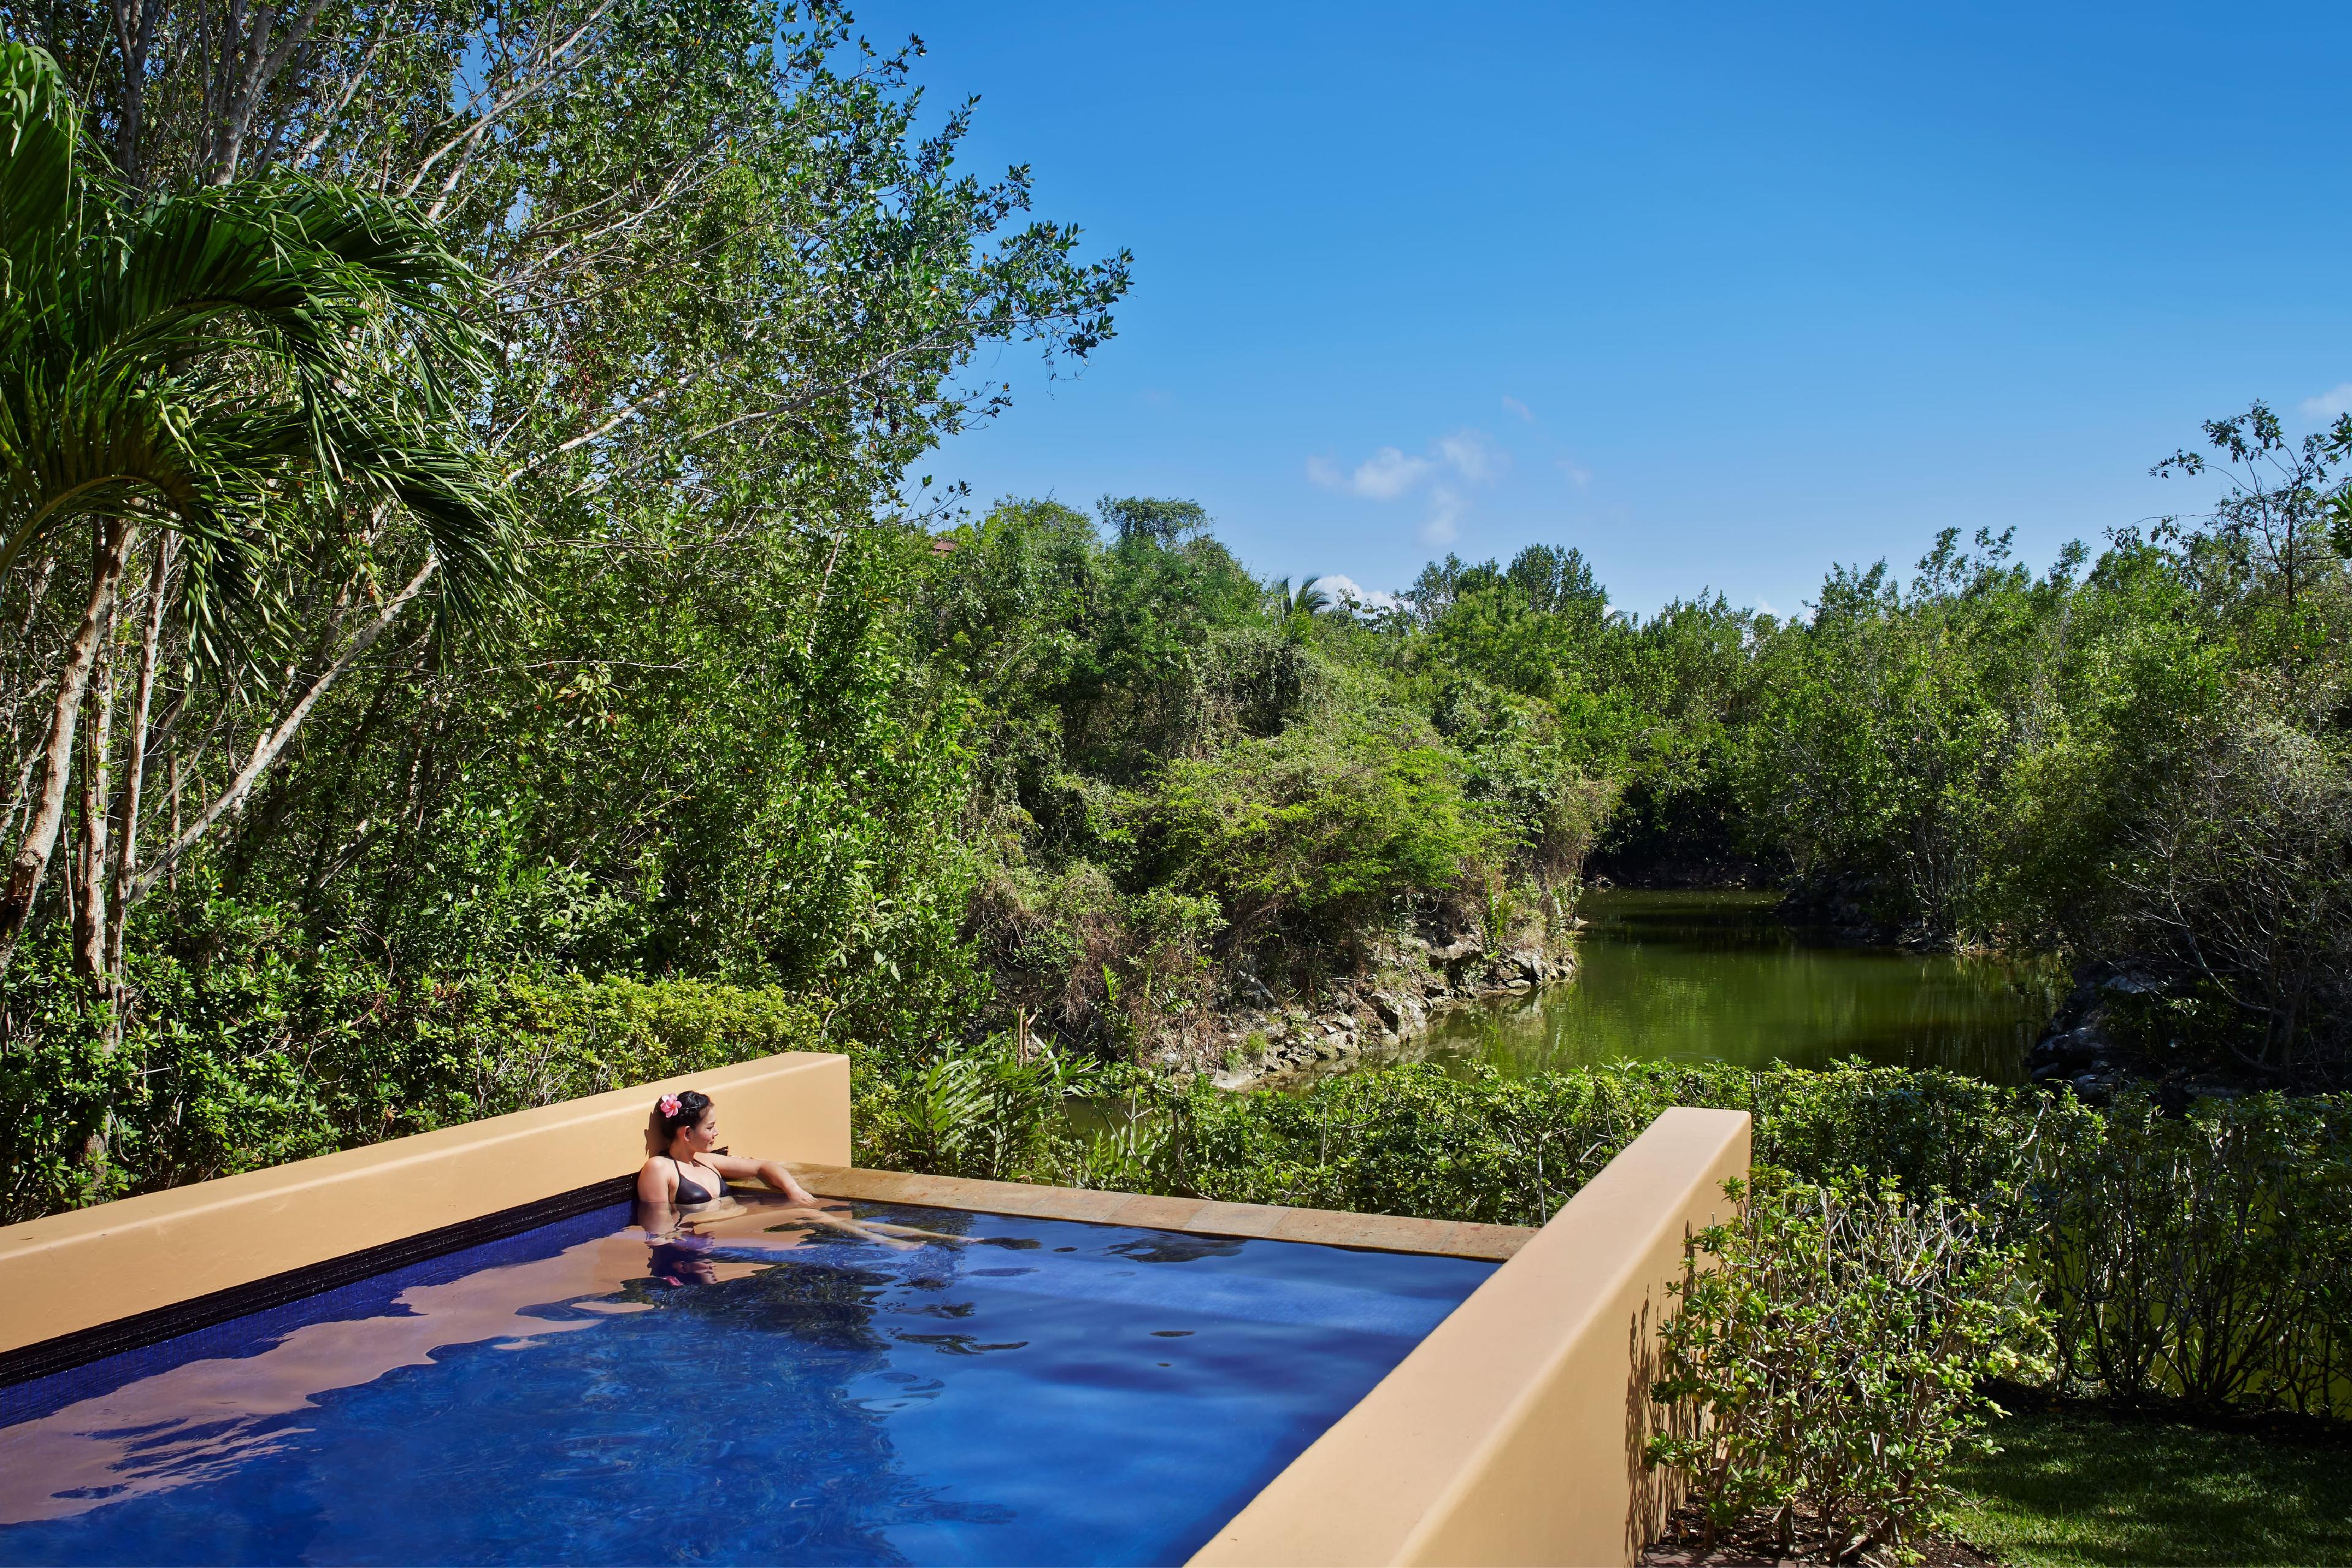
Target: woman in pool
685,1185
691,1171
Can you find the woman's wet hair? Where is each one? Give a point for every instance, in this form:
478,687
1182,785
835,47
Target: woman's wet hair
691,1106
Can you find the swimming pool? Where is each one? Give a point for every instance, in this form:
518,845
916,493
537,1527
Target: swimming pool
1000,1390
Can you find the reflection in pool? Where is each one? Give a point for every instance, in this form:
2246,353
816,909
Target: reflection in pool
1714,976
1029,1391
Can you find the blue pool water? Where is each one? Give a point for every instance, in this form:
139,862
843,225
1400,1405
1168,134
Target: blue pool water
1033,1391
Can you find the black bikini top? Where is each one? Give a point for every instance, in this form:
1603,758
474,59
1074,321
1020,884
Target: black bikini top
690,1191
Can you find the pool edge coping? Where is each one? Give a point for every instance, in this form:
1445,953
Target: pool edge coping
1199,1216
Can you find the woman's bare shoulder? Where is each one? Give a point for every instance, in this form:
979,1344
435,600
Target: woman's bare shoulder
653,1178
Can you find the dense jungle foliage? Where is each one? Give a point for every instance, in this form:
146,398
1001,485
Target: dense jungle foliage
1185,782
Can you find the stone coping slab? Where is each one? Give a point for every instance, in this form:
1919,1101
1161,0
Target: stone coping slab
1373,1232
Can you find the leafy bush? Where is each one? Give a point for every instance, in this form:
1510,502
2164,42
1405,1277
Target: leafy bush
1093,965
988,1111
1315,829
233,1064
2238,874
2199,1258
2207,1256
1420,1140
1825,1362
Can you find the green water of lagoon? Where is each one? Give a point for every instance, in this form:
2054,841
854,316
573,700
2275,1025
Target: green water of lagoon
1714,976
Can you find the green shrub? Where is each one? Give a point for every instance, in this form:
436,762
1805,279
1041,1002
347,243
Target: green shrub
1826,1362
228,1066
986,1111
540,1040
1090,964
2204,1257
1419,1139
1314,829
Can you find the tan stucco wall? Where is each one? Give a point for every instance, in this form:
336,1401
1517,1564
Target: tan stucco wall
74,1270
1513,1433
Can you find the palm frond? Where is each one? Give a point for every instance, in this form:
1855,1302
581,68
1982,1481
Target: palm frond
38,131
245,365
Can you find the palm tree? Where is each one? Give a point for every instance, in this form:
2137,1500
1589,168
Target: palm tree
1296,613
229,374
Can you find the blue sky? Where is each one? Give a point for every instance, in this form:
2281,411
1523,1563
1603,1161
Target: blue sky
1720,294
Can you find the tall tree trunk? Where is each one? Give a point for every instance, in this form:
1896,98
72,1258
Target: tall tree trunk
171,831
135,763
89,851
134,35
32,861
243,82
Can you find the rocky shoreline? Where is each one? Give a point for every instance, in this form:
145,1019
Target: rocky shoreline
2077,1047
2089,1046
1265,1041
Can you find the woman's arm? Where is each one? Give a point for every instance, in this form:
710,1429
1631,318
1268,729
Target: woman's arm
775,1174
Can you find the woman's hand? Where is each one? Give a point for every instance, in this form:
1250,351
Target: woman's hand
779,1178
770,1172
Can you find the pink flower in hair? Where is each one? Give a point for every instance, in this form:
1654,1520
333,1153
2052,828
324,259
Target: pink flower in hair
669,1105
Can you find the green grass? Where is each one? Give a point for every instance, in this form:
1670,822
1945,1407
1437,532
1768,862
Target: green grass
2082,1490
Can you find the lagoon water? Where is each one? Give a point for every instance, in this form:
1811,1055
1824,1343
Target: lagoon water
1695,976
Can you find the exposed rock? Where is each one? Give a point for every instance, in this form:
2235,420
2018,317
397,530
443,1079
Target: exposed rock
1411,982
1532,965
1250,989
2078,1045
2084,1048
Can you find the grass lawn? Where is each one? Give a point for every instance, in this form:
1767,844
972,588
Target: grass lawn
2084,1489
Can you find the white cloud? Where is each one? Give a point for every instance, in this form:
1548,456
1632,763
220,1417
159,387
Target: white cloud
2330,404
1387,475
1384,475
1348,591
1578,474
1472,454
1444,522
1453,464
1521,409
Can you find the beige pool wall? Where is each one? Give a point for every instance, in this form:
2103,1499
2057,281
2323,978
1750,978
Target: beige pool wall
74,1270
1513,1433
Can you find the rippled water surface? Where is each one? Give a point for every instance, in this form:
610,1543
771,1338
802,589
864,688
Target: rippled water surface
1022,1390
1714,976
